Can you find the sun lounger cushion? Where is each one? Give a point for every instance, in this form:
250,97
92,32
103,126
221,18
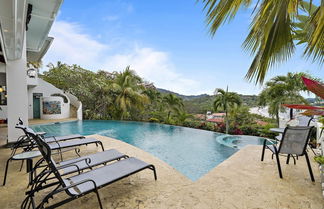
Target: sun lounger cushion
105,175
63,138
72,143
95,159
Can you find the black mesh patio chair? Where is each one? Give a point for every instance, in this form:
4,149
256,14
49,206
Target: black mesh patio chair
302,121
84,183
294,142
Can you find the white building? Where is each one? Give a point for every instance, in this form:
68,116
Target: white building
24,28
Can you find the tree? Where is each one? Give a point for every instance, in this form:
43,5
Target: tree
182,116
275,30
226,100
130,92
282,90
173,104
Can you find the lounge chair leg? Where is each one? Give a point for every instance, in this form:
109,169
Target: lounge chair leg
22,163
287,161
263,150
278,164
102,147
309,167
99,200
6,172
294,159
154,171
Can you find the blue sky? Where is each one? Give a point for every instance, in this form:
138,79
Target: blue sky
165,41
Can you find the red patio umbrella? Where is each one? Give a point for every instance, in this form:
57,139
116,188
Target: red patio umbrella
314,86
313,112
303,107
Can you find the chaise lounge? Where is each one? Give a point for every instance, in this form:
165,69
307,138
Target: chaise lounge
83,183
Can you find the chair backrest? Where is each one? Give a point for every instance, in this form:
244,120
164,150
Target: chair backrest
24,128
46,153
295,140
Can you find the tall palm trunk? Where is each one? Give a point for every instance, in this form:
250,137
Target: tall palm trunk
277,117
226,123
169,113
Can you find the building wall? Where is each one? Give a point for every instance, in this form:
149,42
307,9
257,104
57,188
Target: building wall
17,97
47,90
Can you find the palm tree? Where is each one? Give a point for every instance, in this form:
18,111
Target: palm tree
280,90
226,100
275,30
182,116
129,89
173,103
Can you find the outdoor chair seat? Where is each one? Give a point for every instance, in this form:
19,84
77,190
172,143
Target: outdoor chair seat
74,143
90,161
51,139
105,175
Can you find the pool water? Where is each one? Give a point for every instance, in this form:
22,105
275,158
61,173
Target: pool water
192,152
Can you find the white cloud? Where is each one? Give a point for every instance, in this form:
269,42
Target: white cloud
73,46
154,66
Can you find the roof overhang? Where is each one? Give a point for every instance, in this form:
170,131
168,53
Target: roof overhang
42,16
37,56
13,25
12,21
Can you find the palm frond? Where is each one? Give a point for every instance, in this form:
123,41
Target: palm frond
271,37
315,36
220,11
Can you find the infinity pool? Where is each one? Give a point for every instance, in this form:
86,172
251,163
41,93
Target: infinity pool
192,152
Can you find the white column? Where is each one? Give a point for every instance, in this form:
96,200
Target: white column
17,99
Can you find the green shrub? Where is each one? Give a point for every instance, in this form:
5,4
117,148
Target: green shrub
319,159
154,120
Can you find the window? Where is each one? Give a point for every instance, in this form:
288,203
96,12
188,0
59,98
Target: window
3,95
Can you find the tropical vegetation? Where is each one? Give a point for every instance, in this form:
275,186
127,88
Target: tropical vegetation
276,28
126,96
283,90
116,95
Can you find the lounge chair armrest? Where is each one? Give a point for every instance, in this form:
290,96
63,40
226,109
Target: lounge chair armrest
69,165
268,140
47,137
75,184
86,160
50,195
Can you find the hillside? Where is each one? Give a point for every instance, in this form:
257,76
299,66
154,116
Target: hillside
204,102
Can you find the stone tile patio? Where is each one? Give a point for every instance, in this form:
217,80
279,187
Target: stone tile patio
242,181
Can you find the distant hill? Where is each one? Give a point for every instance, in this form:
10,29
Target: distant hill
184,97
201,103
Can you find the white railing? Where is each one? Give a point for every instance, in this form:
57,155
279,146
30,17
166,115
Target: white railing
76,103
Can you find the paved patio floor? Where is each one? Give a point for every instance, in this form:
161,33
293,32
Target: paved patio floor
242,181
